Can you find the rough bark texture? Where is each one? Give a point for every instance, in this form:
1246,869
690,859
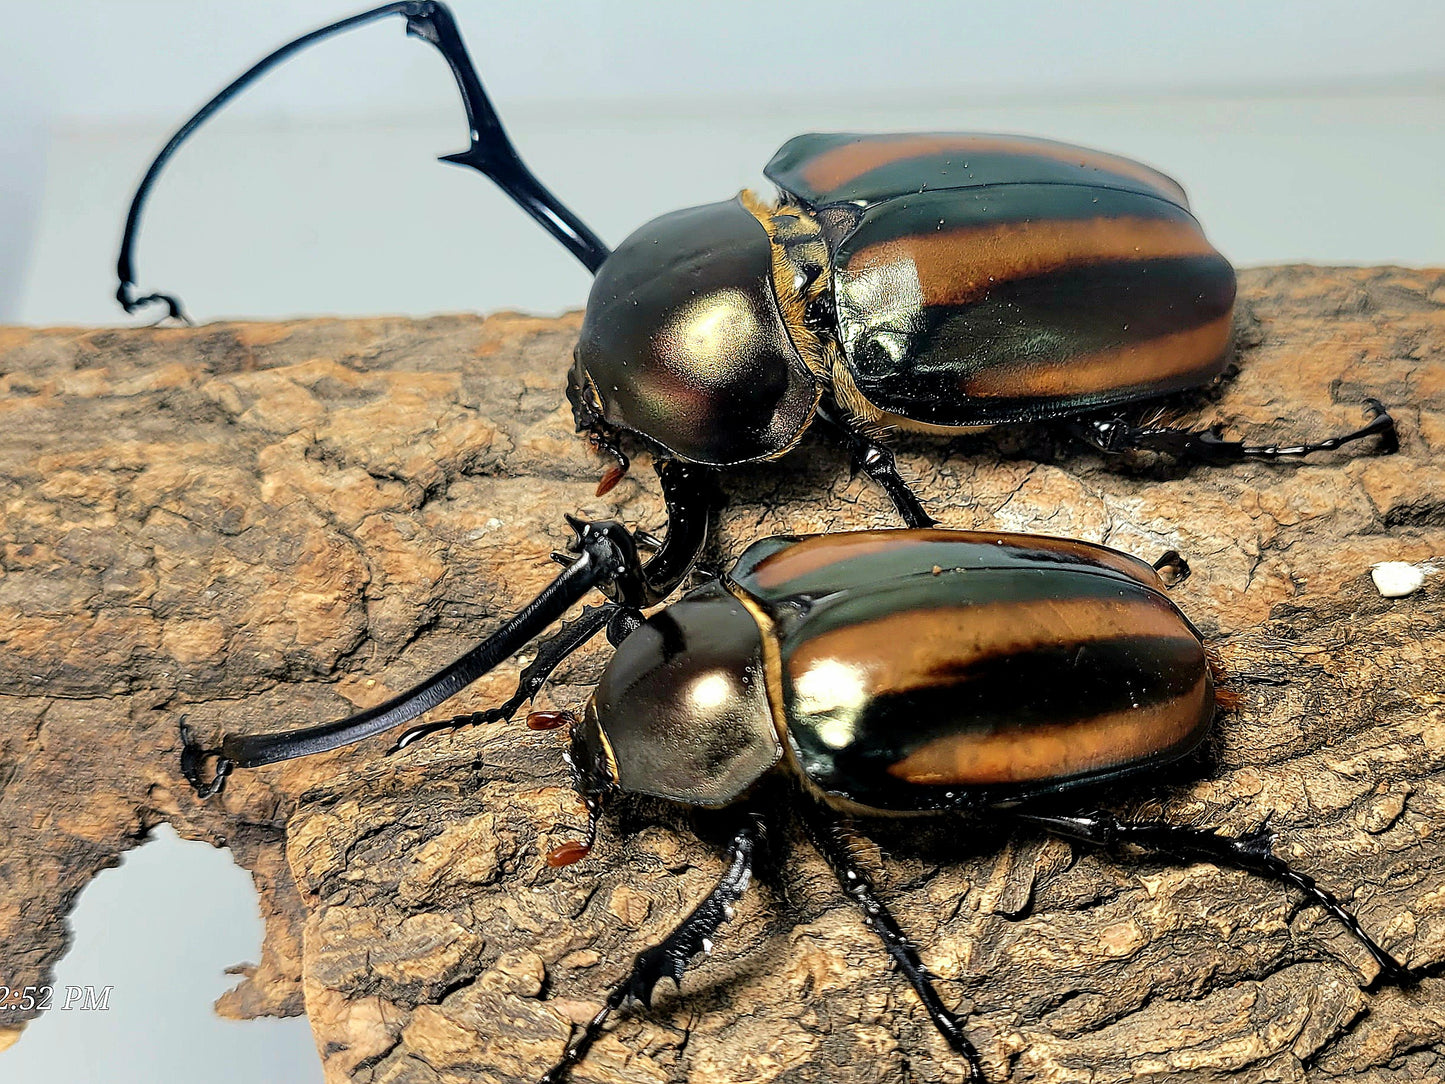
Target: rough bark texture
262,525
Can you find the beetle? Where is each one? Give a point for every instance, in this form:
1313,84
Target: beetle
928,282
887,673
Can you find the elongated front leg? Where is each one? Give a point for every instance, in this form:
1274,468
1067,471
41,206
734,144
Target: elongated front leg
670,957
491,153
606,558
1118,434
1253,852
831,839
877,461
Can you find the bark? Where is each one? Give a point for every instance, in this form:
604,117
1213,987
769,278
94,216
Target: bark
264,525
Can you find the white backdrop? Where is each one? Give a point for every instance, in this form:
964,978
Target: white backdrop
1304,131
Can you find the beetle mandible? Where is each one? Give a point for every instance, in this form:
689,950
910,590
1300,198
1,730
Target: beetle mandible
993,676
928,282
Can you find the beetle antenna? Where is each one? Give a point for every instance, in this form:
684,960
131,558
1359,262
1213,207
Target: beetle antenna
593,787
491,151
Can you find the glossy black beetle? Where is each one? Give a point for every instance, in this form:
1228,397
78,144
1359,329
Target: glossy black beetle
891,673
938,283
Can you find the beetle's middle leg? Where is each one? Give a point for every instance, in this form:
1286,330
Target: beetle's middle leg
831,839
877,461
1253,852
670,956
1119,434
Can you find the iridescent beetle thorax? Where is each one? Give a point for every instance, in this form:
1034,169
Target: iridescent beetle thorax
684,341
681,711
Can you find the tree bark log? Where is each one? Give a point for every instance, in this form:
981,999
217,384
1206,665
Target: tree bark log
263,525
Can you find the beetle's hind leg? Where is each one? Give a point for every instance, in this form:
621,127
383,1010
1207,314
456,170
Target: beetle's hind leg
1172,566
669,957
831,839
1253,852
1118,434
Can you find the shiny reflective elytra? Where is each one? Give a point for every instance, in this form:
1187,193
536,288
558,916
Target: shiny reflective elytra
912,672
937,282
1002,678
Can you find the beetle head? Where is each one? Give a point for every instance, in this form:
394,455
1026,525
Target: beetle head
684,341
681,711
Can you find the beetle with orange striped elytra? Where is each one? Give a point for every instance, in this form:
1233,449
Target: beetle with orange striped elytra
927,282
1002,679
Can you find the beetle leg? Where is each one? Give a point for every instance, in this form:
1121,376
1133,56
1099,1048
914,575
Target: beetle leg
1173,562
1207,446
607,559
878,462
831,839
193,756
623,623
669,958
551,653
491,152
691,495
1253,852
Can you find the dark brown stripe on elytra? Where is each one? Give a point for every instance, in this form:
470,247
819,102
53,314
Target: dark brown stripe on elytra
904,651
1056,750
956,266
833,168
1184,357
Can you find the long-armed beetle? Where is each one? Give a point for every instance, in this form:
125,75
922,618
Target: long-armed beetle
1001,677
935,282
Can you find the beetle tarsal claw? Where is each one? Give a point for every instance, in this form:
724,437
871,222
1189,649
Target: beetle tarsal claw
193,759
664,961
1382,424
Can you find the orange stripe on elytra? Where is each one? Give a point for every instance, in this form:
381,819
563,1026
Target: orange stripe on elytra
957,266
1058,750
835,167
1152,362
